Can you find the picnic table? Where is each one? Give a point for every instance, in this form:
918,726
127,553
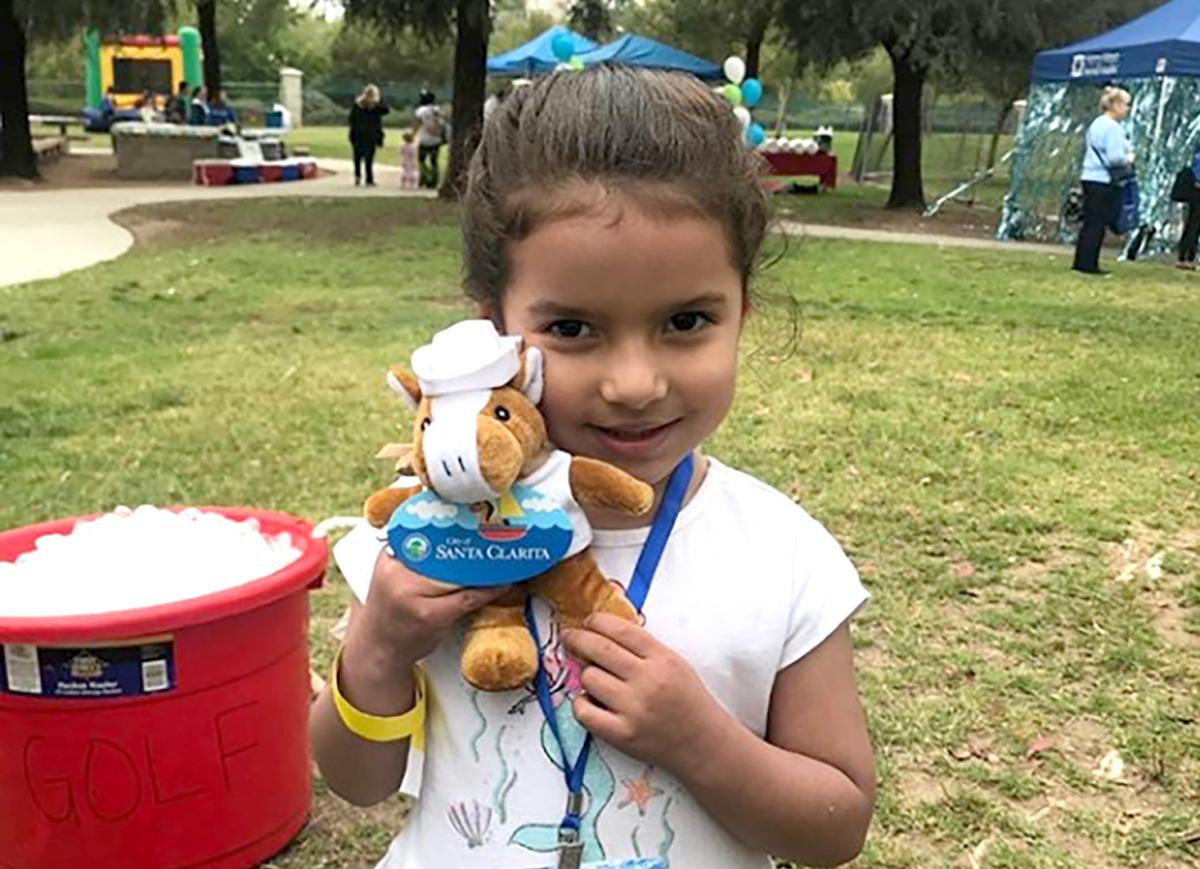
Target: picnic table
60,121
822,165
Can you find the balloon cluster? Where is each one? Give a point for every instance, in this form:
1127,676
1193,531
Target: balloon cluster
563,47
743,94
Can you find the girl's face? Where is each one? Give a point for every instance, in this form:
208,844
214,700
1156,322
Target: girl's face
639,318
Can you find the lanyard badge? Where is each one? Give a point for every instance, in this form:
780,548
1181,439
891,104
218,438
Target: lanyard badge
570,843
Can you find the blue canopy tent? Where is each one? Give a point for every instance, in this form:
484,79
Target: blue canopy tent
637,50
1155,57
537,55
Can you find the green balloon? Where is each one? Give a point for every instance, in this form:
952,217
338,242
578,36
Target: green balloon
575,63
733,93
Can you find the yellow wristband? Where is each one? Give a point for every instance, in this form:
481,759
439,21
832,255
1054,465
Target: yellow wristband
382,728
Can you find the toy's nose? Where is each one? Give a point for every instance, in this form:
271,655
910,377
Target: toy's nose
454,470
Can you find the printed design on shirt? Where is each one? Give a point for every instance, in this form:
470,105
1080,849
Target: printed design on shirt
599,783
639,791
506,779
471,821
599,786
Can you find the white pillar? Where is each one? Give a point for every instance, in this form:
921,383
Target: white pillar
291,93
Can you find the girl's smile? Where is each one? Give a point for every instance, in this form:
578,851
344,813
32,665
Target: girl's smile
638,311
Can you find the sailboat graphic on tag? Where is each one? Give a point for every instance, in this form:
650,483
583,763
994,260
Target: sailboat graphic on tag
500,522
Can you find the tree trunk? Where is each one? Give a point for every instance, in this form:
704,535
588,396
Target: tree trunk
208,41
908,191
470,82
16,143
997,132
754,41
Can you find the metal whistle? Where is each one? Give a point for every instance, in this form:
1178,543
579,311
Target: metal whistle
570,849
570,846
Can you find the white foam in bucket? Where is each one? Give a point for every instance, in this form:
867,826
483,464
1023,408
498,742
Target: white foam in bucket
129,559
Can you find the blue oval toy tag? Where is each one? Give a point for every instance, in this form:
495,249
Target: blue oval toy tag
523,534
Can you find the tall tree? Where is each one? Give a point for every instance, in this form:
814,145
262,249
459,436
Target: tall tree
1005,50
709,28
921,37
592,18
434,19
26,21
207,20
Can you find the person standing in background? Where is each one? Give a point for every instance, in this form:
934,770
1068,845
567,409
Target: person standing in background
177,105
1107,161
366,132
430,129
1191,224
197,115
409,177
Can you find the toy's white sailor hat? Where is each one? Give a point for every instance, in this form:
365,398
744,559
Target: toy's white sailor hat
467,356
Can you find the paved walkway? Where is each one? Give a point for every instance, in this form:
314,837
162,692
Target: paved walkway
846,233
46,233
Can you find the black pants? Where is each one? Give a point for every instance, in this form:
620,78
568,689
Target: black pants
1100,204
364,154
1191,233
427,160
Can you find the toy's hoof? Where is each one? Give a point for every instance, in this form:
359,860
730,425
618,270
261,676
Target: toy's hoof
499,658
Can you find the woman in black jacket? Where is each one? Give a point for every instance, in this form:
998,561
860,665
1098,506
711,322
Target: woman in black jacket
366,132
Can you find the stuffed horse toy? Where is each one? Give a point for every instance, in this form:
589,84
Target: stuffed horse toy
476,435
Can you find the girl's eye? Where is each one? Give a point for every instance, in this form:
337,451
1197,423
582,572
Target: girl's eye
425,423
688,321
502,414
569,329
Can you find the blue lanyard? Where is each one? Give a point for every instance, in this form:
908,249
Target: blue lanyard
639,586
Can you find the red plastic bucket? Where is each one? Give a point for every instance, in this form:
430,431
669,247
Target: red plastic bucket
212,772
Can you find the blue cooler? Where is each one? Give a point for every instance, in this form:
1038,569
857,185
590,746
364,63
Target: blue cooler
247,174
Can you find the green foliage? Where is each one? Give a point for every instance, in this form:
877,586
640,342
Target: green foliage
512,25
592,18
59,20
365,51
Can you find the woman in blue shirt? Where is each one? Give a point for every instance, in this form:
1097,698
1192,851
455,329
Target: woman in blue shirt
1106,150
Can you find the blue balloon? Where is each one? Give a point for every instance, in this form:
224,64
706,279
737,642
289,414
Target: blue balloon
755,135
751,92
563,47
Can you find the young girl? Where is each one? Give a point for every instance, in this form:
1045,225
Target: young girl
408,162
613,218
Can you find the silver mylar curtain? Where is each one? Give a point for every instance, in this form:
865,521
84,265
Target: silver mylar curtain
1163,126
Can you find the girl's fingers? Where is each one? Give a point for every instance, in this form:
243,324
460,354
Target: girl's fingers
603,687
593,648
629,636
466,601
599,722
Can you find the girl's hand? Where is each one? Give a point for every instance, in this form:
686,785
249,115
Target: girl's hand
406,615
641,697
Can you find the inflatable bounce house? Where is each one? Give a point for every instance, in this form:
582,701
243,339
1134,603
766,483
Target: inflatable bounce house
134,64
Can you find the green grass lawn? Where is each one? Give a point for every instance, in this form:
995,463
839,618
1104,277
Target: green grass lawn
1007,451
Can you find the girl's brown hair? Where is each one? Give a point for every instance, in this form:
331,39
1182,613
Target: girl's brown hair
662,138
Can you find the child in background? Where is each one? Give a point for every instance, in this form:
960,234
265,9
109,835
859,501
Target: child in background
613,219
409,177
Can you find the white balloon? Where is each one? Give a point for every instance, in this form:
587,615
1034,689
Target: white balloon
743,115
770,144
735,69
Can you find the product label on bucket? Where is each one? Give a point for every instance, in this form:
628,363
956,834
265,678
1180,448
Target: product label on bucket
104,670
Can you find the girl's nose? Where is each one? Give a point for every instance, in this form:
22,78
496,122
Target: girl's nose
632,379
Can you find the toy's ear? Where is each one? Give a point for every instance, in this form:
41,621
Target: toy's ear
529,377
404,384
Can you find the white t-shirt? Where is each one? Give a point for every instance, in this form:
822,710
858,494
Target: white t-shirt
749,583
432,127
